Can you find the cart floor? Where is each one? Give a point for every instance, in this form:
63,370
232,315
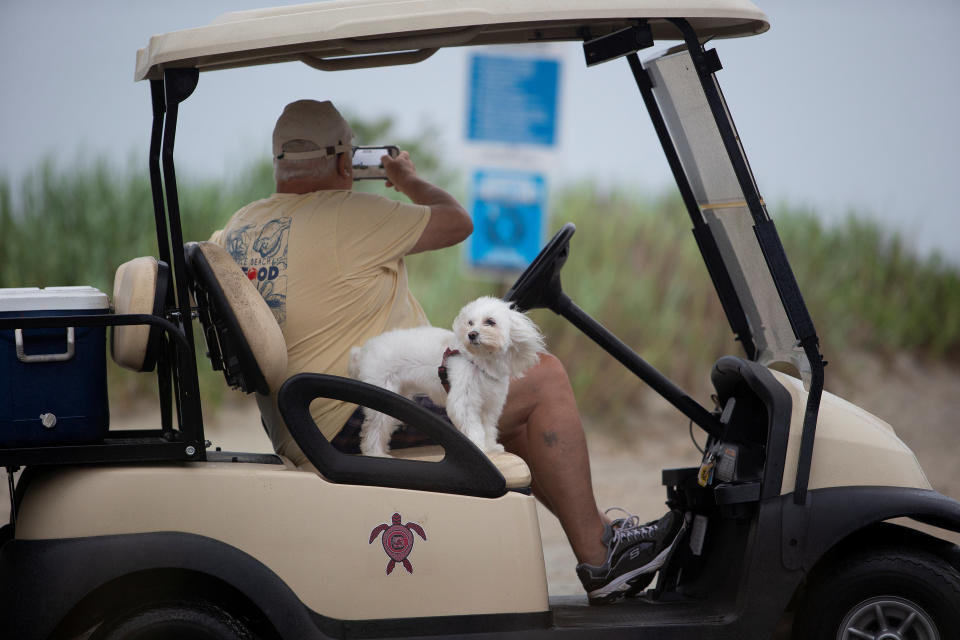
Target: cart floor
574,612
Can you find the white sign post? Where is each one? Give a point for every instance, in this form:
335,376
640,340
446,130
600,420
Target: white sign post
511,128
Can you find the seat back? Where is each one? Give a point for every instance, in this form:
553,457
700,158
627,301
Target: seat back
242,334
139,287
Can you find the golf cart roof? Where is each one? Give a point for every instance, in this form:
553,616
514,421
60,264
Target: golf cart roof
342,34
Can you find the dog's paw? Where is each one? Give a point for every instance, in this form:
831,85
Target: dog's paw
496,448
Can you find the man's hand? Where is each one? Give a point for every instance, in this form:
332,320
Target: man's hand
399,170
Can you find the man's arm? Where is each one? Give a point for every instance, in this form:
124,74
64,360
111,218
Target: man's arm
449,222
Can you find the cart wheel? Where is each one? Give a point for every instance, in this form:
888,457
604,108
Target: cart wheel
181,620
886,594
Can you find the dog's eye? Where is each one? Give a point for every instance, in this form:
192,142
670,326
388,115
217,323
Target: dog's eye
490,322
469,323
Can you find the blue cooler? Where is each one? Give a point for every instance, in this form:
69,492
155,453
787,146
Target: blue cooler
53,390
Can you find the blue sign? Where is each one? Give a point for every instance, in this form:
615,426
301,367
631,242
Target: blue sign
508,212
513,99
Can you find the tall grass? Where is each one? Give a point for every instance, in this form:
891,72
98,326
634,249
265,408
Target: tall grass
75,227
634,266
865,287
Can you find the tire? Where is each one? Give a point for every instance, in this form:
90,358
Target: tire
888,594
180,620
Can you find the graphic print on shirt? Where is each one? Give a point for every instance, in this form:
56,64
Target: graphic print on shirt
261,252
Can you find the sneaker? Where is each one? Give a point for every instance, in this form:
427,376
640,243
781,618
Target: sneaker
635,552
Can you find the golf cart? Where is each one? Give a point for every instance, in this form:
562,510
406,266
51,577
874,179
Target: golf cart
154,533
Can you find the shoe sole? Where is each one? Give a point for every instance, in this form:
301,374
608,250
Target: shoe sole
618,588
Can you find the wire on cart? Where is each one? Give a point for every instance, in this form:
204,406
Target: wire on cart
694,440
13,502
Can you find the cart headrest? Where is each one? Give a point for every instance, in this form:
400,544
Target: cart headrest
242,334
139,287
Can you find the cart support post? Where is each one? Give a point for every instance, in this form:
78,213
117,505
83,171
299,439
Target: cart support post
179,85
156,184
164,385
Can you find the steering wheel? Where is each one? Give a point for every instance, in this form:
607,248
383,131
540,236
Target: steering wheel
539,284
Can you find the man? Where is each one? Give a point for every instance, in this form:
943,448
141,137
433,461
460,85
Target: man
330,263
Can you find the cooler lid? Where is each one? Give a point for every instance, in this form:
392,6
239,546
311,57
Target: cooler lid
52,299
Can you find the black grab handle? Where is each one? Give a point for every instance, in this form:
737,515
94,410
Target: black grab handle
464,469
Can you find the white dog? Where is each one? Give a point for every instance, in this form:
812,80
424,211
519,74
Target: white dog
490,344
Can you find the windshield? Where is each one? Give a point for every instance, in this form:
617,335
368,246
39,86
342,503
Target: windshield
683,103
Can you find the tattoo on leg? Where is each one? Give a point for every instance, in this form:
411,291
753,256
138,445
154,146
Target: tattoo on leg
550,438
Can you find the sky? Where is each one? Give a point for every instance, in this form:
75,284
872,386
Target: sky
841,106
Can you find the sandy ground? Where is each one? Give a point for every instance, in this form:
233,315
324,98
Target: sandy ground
922,401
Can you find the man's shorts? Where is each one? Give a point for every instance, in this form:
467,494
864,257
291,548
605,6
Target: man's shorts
348,438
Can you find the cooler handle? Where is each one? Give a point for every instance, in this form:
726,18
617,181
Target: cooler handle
44,357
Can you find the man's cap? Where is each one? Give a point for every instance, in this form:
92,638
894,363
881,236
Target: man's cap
316,122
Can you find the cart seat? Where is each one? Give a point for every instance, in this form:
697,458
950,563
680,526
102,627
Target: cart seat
138,288
245,341
243,337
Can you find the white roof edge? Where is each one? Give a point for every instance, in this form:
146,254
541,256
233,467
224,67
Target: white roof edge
349,27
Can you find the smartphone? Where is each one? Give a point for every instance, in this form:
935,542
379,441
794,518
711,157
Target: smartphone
366,162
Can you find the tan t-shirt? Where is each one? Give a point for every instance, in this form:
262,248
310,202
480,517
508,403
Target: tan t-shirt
330,266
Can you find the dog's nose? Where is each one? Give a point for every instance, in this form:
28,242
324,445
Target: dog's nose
473,336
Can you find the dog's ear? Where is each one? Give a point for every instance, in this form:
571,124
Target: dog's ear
459,320
526,343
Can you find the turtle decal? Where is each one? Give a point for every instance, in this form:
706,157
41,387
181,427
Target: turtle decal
397,541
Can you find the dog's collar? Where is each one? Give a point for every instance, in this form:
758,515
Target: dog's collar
442,369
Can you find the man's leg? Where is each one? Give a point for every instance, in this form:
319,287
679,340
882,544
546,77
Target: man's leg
541,424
